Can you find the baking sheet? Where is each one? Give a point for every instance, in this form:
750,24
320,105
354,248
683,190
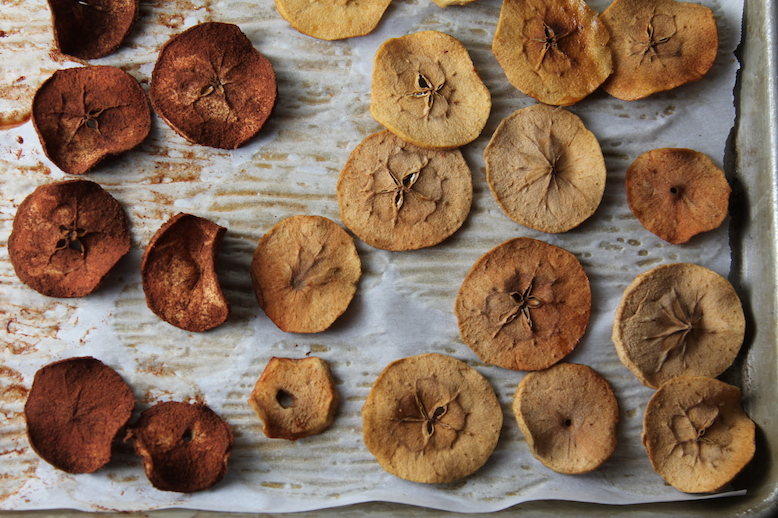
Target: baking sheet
405,300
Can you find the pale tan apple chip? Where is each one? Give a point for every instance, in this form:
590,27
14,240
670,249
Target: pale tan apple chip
397,196
305,272
678,320
658,45
431,419
427,91
447,3
524,305
545,169
553,50
569,415
696,434
677,193
333,19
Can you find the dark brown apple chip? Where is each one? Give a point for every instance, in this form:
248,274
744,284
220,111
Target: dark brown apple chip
212,86
84,114
75,410
185,447
90,29
179,274
66,237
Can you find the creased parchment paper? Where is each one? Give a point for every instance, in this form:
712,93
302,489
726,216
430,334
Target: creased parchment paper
404,304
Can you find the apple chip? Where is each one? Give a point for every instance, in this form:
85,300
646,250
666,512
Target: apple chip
678,320
696,434
333,19
553,50
90,29
431,418
658,45
545,169
524,305
397,196
427,91
677,193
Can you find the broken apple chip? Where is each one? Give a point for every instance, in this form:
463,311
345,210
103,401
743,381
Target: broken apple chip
397,196
91,29
305,272
332,19
212,86
545,169
569,415
658,45
427,91
677,193
66,237
696,434
179,277
84,114
431,418
553,50
524,305
678,320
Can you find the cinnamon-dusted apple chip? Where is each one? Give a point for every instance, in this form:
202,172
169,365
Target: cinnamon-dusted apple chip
545,169
178,270
431,418
398,196
212,86
295,398
677,193
678,320
569,414
84,114
90,29
66,237
696,434
333,19
553,50
524,305
658,45
305,272
427,91
75,410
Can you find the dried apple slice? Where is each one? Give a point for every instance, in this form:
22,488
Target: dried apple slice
545,169
524,305
333,19
696,434
212,86
553,50
431,419
84,114
90,29
427,91
658,45
677,193
678,320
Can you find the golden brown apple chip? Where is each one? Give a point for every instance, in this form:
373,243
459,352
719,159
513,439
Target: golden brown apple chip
305,272
75,410
212,86
677,193
545,169
658,45
431,418
397,196
295,398
447,3
696,434
333,19
84,114
179,274
90,29
678,320
524,305
553,50
427,91
569,415
66,237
